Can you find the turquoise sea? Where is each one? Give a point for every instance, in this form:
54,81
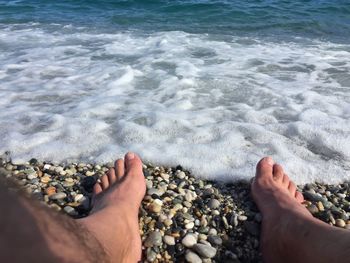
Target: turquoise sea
210,85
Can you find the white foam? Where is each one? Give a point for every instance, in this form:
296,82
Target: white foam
215,107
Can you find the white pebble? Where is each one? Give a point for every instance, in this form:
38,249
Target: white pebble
189,240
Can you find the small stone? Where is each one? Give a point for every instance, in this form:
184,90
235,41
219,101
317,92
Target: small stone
67,184
9,167
242,218
149,184
341,195
312,209
309,195
70,210
79,198
202,237
204,221
189,225
189,240
89,173
212,232
32,176
50,190
181,175
320,206
187,204
47,167
214,203
188,197
165,176
192,257
205,251
154,239
33,162
155,206
169,240
45,179
58,196
55,207
151,255
215,212
215,240
168,222
340,223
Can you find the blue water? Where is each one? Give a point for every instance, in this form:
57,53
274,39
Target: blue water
276,19
210,85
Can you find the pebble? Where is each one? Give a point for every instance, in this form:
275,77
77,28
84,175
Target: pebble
312,209
192,257
222,220
215,240
169,240
205,251
89,173
32,176
70,210
214,203
151,255
47,167
189,225
155,206
58,196
320,206
181,175
79,198
242,218
45,179
189,240
154,239
50,190
212,232
340,222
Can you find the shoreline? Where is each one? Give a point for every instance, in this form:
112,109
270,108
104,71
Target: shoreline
181,217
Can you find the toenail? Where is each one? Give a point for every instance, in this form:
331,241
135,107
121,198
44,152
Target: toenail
130,156
269,160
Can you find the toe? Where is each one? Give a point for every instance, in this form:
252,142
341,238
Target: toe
104,182
299,196
133,163
292,188
119,168
264,168
111,175
278,173
285,180
133,170
97,188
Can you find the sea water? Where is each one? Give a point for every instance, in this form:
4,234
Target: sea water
210,85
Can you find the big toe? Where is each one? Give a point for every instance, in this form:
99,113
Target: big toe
134,179
264,169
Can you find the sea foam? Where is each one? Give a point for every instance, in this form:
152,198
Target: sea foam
214,106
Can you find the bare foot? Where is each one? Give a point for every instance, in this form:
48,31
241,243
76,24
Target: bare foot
280,204
114,217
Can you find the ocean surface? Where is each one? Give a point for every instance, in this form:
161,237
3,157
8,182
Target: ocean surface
211,85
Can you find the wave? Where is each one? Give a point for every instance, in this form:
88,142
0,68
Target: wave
214,105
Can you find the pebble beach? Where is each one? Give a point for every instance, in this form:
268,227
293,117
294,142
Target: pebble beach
182,218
